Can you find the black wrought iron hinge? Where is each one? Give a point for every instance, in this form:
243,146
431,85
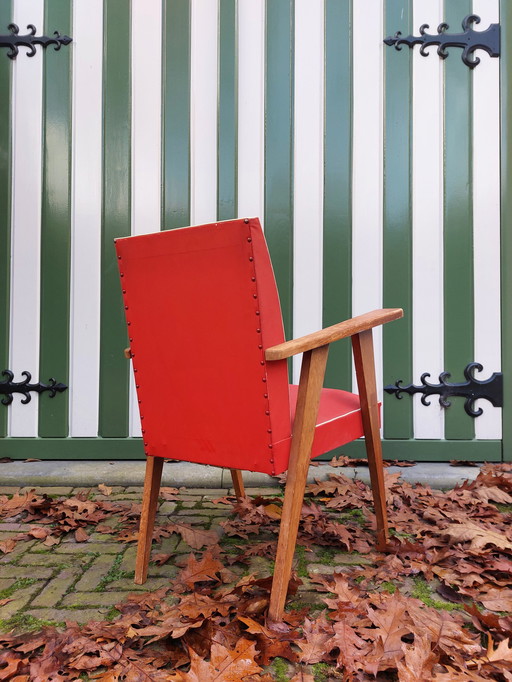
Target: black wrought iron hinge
491,389
470,40
8,387
13,40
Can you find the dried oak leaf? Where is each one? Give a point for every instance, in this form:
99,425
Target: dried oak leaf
194,537
315,645
208,568
7,546
81,535
479,537
224,665
418,662
105,489
351,647
496,600
270,643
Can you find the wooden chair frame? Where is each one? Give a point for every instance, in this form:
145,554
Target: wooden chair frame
315,348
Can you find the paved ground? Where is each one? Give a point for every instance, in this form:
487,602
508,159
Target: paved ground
82,581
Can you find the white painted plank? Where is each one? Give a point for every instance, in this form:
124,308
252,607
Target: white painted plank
486,218
203,111
146,73
26,217
367,171
427,221
251,111
86,217
308,169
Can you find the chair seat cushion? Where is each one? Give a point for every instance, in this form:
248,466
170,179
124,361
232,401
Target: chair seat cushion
338,422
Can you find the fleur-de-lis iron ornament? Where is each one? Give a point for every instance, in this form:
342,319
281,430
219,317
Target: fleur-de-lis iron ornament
8,387
491,389
13,40
470,40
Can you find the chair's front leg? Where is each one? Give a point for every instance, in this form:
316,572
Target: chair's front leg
152,482
308,400
362,345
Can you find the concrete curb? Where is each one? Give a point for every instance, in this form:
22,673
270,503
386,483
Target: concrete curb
130,473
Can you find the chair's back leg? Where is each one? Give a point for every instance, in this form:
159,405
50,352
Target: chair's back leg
152,482
308,400
362,345
238,483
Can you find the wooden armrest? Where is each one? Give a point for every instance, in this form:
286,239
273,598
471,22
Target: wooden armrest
338,331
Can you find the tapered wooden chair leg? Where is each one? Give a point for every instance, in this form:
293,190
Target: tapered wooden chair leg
152,482
238,483
365,369
308,399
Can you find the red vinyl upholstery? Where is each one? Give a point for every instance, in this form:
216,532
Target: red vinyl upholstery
201,307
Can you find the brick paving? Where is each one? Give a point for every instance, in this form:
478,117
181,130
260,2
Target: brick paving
82,581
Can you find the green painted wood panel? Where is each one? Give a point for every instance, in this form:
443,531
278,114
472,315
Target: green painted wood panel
278,219
337,234
397,219
227,123
458,224
56,222
176,114
5,204
113,405
132,448
506,220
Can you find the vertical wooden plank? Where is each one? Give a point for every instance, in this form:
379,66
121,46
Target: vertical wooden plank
486,218
397,242
227,122
337,234
176,114
251,111
5,204
26,218
146,70
113,405
427,170
368,51
86,218
458,225
308,168
279,149
203,111
506,220
56,222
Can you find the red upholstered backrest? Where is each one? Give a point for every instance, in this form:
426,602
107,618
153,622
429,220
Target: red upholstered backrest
201,306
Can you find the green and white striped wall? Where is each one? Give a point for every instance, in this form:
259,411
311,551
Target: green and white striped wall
382,179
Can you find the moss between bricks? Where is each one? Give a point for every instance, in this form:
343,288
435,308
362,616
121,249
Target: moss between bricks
23,622
18,585
114,573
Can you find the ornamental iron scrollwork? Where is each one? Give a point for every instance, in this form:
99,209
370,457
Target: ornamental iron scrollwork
13,40
491,389
470,40
8,387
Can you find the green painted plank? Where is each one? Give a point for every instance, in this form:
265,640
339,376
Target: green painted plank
5,204
228,113
56,221
279,149
397,239
458,224
426,450
176,114
132,448
337,232
113,409
506,221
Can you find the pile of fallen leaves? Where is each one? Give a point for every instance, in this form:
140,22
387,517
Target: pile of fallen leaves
209,622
